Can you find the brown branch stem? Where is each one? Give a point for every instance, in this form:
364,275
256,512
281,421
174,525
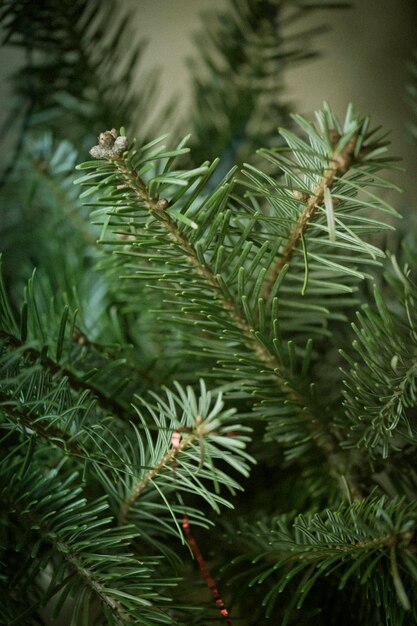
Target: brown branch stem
34,355
140,485
339,164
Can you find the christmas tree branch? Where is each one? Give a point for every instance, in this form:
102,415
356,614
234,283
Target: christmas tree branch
308,553
158,208
340,162
78,445
76,537
112,148
73,559
24,415
356,537
168,459
34,355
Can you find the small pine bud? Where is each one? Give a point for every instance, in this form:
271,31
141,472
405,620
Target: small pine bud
106,139
334,137
110,145
300,195
162,204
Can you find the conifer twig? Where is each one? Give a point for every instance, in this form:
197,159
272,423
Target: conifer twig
340,162
325,440
115,407
158,208
122,618
378,543
24,415
56,436
168,458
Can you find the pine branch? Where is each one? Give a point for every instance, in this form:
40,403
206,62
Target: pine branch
168,459
340,162
248,281
195,438
122,616
24,415
43,330
132,183
134,198
366,540
381,384
91,556
157,207
38,357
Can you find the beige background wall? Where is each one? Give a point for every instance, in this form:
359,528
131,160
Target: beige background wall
364,57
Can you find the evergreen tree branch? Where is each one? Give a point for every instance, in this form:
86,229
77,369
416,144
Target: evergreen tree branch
188,453
381,384
340,162
38,356
134,191
84,441
122,617
168,458
19,413
130,180
248,280
355,538
93,552
157,207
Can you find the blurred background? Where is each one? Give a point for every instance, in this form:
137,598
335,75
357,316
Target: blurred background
363,60
364,57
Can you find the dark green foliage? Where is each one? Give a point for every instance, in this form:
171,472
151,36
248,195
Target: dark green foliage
366,541
381,407
72,49
294,462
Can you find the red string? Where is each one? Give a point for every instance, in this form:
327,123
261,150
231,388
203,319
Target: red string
205,570
175,443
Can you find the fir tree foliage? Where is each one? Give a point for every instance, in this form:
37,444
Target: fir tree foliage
51,418
171,365
225,245
384,375
368,541
71,51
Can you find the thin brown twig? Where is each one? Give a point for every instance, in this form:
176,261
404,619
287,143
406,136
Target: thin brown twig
339,164
168,458
33,355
